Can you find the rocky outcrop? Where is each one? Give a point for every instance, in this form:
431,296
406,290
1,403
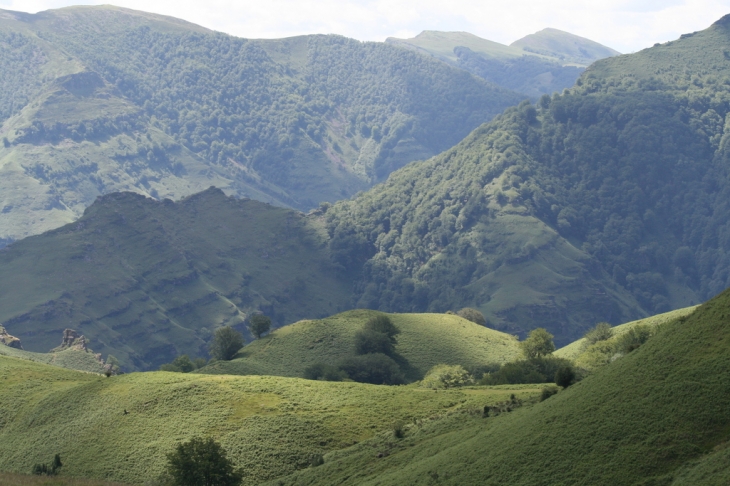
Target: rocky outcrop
72,340
9,340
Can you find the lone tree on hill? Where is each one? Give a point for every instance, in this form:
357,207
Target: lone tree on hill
384,325
472,315
259,325
226,343
201,462
539,343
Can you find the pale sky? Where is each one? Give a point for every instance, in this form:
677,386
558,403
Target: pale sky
625,25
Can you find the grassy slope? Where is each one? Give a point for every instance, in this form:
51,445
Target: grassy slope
269,425
644,419
425,340
442,44
573,350
72,359
147,280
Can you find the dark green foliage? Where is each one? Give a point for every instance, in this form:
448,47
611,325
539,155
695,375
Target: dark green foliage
48,470
321,371
472,315
369,341
201,462
633,338
377,369
539,343
316,460
601,332
259,325
181,364
535,370
547,393
565,376
399,430
226,343
384,325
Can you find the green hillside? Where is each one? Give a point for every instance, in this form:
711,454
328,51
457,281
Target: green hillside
604,203
656,416
72,359
567,47
146,281
270,426
103,99
546,62
424,341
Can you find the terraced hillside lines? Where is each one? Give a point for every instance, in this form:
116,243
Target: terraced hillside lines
147,280
269,425
103,99
425,340
658,415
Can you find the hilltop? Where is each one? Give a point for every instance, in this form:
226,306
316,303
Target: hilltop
655,416
424,341
270,426
541,63
103,99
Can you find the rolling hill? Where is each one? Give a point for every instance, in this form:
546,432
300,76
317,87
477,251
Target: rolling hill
425,340
104,99
542,63
270,426
655,416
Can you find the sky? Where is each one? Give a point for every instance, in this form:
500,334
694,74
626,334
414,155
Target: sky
625,25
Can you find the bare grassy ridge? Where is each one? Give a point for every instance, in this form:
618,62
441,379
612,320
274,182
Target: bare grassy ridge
270,426
425,340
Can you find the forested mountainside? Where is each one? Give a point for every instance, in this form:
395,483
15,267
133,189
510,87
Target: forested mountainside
104,99
606,202
541,63
147,281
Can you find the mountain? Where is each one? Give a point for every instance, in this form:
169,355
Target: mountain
424,341
541,63
104,99
147,280
605,203
566,47
657,415
121,428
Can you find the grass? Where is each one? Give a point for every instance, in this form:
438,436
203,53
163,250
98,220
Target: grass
658,415
425,340
72,359
270,426
10,479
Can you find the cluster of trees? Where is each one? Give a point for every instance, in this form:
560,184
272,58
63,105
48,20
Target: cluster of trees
375,359
21,63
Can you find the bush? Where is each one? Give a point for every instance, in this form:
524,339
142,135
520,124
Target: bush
368,341
324,372
601,332
565,376
472,315
377,369
446,376
547,393
48,470
633,338
399,430
226,343
183,364
201,462
536,370
259,325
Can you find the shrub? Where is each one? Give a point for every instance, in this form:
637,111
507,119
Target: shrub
201,462
369,341
324,372
601,332
377,369
259,325
183,364
633,338
536,370
547,392
316,460
539,343
446,376
226,343
472,315
399,430
48,470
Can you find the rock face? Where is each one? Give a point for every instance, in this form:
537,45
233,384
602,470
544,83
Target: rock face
72,340
9,340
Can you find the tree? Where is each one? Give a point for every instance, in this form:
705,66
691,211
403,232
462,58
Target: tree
226,343
382,324
376,368
259,325
201,462
539,343
446,376
565,376
368,341
472,315
601,332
